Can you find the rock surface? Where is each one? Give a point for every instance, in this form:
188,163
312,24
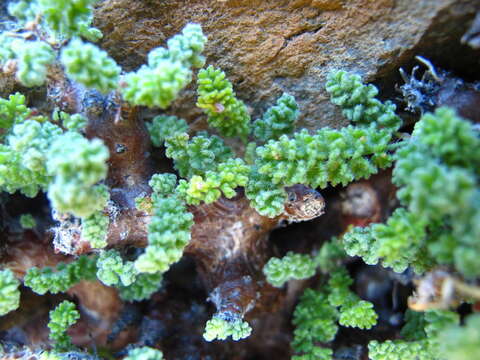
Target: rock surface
267,47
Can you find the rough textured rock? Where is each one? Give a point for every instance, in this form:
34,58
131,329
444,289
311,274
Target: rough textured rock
270,46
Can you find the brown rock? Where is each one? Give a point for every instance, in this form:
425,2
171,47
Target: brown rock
267,47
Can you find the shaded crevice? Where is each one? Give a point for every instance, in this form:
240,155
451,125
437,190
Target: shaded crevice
289,39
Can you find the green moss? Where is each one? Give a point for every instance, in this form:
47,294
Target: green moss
461,342
62,277
94,229
9,292
144,353
65,18
162,184
64,316
163,127
358,101
168,234
13,110
399,243
278,120
198,155
168,71
221,329
328,157
398,350
424,331
90,66
33,59
227,176
27,221
143,287
73,122
315,321
225,112
436,174
292,266
76,165
265,197
24,155
112,270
